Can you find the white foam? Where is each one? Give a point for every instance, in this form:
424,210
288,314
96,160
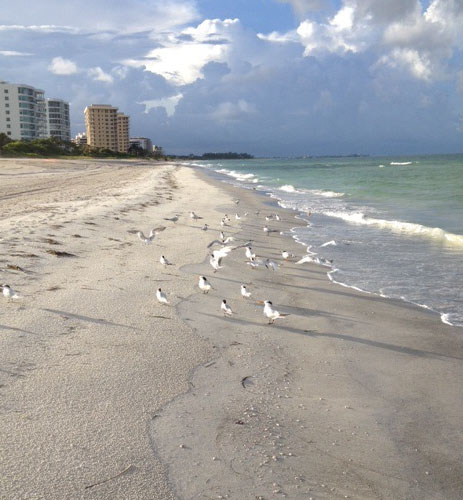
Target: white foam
397,226
326,194
329,243
445,319
289,189
400,163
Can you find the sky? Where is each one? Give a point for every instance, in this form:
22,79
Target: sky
266,77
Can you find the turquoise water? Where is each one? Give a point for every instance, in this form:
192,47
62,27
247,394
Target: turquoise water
397,223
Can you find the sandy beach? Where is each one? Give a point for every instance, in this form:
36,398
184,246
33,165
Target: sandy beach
107,394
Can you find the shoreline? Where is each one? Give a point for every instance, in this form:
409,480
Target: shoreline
109,394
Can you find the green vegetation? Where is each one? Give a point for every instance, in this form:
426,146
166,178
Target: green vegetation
52,147
217,156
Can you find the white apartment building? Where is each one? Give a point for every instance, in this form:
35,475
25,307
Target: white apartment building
26,115
58,124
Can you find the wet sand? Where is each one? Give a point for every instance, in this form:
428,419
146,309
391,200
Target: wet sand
108,394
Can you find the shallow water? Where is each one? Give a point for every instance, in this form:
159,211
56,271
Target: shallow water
397,223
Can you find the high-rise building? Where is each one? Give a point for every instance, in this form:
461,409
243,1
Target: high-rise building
58,122
22,111
106,128
122,133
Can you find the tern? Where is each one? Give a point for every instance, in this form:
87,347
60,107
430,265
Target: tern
286,255
226,308
147,240
268,217
194,216
249,253
236,202
270,313
164,261
204,285
270,264
244,293
9,293
277,217
173,219
161,296
205,227
255,263
237,217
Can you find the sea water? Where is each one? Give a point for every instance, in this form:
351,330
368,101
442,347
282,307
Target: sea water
390,226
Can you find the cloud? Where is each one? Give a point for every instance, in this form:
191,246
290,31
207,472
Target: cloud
99,75
61,66
168,103
13,53
128,16
302,7
229,111
182,56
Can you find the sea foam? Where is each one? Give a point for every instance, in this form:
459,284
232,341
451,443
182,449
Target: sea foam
435,233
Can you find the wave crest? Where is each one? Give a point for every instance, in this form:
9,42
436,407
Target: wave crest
435,233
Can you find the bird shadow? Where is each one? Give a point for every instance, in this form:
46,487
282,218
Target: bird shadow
419,353
98,321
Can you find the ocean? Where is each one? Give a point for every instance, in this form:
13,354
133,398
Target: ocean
384,225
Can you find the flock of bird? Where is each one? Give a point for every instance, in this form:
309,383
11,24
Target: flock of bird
217,256
216,260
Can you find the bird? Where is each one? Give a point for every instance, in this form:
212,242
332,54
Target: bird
205,227
173,219
236,202
268,217
244,293
215,263
286,255
148,239
277,217
161,296
270,313
222,223
255,263
237,217
204,285
249,253
9,293
226,308
164,261
217,256
194,216
266,230
270,264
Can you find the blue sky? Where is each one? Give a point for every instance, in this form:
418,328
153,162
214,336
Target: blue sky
269,77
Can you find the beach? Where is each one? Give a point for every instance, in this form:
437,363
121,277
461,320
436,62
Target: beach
106,393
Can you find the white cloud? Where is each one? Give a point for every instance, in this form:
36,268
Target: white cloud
230,111
13,53
128,16
182,57
302,7
99,75
168,103
61,66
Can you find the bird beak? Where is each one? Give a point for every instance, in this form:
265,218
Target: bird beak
260,302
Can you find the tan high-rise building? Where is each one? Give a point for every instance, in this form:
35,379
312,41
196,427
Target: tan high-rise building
106,128
122,133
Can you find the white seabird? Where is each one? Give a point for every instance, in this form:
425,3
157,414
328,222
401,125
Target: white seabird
164,261
148,239
9,293
204,285
244,293
226,308
270,313
161,296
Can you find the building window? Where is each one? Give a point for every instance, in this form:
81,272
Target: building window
9,133
7,98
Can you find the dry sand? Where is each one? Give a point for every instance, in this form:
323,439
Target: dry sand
107,394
